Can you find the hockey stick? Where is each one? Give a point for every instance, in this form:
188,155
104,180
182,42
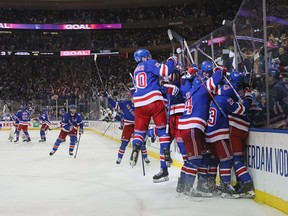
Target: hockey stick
107,128
143,166
201,80
98,71
229,83
77,146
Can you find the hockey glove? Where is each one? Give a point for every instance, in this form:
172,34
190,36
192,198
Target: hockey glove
222,69
174,58
192,70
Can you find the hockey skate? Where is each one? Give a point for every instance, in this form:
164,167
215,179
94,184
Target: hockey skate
71,153
42,140
162,176
27,140
202,187
118,161
167,157
190,191
246,190
146,160
134,155
228,191
180,185
16,141
52,153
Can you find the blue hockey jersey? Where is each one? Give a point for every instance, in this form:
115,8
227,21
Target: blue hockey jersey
218,125
44,118
23,117
197,101
127,108
69,122
146,81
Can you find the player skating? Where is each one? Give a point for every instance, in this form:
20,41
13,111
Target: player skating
128,109
71,122
43,119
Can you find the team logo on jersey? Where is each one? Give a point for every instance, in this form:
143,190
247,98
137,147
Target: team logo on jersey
157,64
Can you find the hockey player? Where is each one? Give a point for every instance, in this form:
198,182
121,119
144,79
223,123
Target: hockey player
23,116
148,102
43,119
71,122
217,135
239,131
176,102
128,109
193,123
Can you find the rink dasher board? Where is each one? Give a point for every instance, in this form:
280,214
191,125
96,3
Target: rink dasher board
266,155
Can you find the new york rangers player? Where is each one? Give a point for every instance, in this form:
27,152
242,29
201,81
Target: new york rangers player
239,131
43,119
23,116
148,101
71,123
128,109
194,121
217,134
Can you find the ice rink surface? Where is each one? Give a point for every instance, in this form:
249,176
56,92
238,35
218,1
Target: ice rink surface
36,184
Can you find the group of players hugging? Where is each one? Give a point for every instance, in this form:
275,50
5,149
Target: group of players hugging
203,111
71,125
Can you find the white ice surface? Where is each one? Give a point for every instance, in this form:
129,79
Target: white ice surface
36,184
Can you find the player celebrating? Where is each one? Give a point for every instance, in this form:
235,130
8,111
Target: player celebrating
239,131
45,123
23,117
128,110
148,102
217,134
70,123
194,121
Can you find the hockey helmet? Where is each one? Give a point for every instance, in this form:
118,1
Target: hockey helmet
207,66
44,109
237,78
72,108
138,54
62,111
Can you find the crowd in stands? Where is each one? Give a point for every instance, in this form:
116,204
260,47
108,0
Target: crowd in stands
94,40
77,78
194,9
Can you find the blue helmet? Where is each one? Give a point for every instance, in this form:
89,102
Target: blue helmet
72,107
23,107
62,111
273,72
237,78
44,109
138,54
207,66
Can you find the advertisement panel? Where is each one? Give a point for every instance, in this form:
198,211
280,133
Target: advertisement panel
60,26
